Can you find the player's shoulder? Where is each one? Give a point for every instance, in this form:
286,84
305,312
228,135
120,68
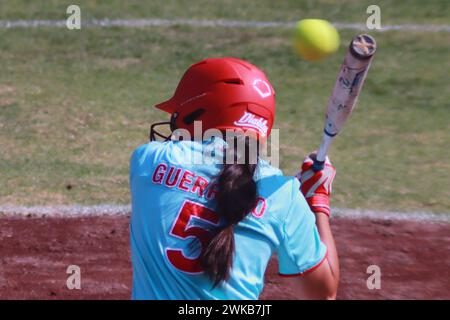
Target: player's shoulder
265,169
145,151
157,149
279,187
184,152
151,147
279,190
268,176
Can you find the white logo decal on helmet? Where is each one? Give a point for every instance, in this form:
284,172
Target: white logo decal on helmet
262,87
252,121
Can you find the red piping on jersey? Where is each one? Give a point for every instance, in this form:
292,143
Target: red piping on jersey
306,271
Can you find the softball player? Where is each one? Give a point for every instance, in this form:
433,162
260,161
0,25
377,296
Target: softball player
206,230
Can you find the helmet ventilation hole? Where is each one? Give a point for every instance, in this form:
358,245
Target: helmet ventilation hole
234,81
191,117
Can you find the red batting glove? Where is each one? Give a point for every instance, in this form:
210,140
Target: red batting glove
316,186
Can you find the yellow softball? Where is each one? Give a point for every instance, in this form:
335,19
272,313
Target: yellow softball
315,39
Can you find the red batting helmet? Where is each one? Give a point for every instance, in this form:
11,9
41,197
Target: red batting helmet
223,93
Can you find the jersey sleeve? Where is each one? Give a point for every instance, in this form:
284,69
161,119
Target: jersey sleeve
301,249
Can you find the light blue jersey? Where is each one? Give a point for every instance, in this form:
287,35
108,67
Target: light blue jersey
173,214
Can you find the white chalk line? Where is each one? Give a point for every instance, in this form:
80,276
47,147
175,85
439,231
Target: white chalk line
139,23
78,211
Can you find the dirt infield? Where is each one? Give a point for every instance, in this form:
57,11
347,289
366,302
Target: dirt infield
414,258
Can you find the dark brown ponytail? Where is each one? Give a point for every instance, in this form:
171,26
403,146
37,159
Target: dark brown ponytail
236,197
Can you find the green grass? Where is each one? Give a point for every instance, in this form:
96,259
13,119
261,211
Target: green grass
74,104
393,11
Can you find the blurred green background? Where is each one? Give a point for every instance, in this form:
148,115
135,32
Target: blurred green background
74,104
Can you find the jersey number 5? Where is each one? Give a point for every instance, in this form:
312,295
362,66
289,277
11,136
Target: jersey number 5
182,229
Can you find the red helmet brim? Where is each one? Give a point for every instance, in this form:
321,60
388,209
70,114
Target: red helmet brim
167,106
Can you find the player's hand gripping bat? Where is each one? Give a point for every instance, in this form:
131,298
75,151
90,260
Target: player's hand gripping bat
348,85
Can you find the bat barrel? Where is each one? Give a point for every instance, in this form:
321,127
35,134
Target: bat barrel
347,87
